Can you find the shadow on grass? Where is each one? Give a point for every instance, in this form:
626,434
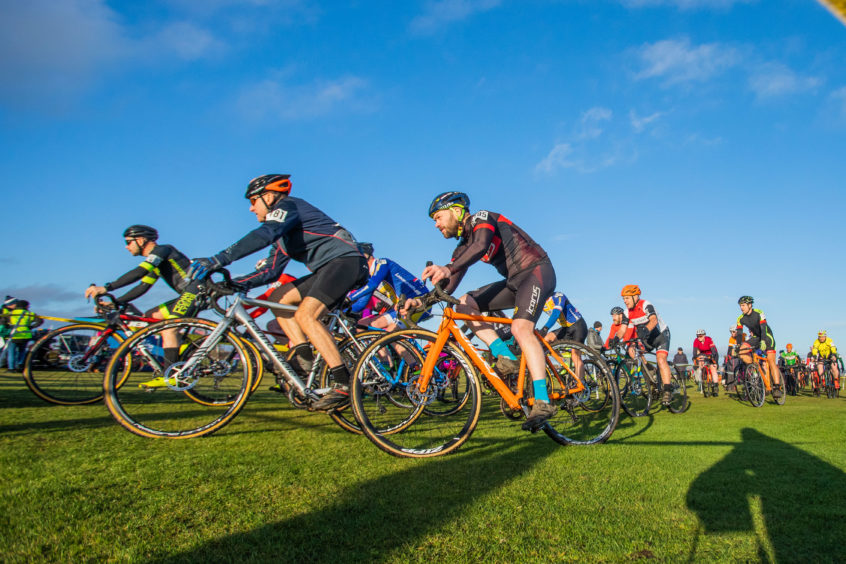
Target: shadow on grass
371,521
801,500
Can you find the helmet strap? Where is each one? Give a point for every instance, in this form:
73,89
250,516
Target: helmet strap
459,212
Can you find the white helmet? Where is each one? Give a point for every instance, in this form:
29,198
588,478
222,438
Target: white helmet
700,332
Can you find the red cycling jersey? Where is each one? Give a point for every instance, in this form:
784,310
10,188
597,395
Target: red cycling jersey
706,346
640,314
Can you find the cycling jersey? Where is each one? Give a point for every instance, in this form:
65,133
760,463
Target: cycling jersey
790,358
296,230
493,238
760,334
615,327
706,347
562,311
164,262
391,280
659,337
825,349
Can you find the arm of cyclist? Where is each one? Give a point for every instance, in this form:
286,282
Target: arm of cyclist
268,270
361,297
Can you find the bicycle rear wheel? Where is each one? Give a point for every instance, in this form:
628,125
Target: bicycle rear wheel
635,390
756,391
399,417
586,417
153,399
65,366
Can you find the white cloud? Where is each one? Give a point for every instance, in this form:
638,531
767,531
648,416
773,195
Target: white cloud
676,60
776,79
686,4
440,13
558,157
53,50
278,99
639,123
591,121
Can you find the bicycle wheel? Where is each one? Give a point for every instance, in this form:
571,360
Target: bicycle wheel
394,412
153,399
756,391
586,417
829,383
256,363
65,366
350,350
679,402
635,390
782,388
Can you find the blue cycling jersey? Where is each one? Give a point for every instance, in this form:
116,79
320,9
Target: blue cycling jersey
390,279
562,310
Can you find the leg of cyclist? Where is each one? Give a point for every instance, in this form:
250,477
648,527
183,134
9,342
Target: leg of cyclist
835,374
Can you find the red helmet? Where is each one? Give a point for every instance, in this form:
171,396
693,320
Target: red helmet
630,290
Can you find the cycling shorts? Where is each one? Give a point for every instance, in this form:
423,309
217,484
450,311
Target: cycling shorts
526,292
330,283
578,331
659,341
184,306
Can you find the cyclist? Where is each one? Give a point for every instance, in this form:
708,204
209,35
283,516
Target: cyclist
619,328
790,360
529,280
160,261
652,331
295,229
704,347
824,349
760,336
391,280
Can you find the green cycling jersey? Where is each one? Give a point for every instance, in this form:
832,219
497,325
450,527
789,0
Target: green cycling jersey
790,358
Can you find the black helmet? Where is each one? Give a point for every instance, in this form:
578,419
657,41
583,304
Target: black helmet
365,248
143,231
268,183
447,200
746,300
616,310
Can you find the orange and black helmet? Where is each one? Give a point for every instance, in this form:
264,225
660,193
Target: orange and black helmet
630,290
268,183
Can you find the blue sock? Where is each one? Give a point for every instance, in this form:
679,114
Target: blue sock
499,348
540,390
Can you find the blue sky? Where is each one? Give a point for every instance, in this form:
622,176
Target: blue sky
694,147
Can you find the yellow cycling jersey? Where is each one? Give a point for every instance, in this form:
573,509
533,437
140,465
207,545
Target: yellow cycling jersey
824,349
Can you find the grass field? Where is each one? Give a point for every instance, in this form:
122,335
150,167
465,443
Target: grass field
722,482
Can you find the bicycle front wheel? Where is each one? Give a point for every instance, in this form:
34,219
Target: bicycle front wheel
152,397
65,366
396,414
678,403
635,389
586,417
756,391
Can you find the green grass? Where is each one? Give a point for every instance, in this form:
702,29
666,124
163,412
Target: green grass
723,482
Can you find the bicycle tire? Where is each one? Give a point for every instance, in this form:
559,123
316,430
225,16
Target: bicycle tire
588,417
756,391
173,409
635,390
411,432
58,376
350,351
679,402
782,388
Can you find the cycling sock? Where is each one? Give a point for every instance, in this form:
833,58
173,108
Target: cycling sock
540,390
340,375
499,348
171,354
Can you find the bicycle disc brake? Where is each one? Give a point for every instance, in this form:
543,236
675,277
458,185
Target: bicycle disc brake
417,396
179,381
77,364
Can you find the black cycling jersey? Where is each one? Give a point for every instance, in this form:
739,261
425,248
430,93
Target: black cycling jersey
165,262
493,238
297,230
760,334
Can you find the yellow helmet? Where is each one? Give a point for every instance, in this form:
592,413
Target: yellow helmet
821,333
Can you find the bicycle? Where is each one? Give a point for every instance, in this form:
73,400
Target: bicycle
65,366
832,389
588,406
204,375
754,381
706,386
638,381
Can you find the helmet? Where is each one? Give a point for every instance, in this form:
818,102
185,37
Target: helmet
143,231
617,310
733,330
789,347
700,332
365,248
9,301
821,333
268,183
746,300
630,290
447,200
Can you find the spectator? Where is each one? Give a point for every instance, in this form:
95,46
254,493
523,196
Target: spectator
8,306
594,337
680,362
21,321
